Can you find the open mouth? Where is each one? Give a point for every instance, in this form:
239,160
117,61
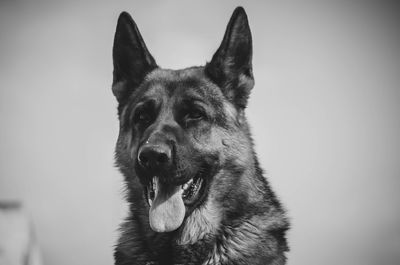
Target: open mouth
190,190
168,202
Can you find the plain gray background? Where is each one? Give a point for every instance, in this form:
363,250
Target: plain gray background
324,114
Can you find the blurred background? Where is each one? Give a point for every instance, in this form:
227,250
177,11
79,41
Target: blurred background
324,113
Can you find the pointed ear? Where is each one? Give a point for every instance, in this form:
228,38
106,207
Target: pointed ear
132,60
230,67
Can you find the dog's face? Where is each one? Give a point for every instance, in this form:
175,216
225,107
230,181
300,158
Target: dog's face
168,122
176,126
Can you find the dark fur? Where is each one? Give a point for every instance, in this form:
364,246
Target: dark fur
239,219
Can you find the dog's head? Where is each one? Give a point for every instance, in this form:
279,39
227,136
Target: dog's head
179,128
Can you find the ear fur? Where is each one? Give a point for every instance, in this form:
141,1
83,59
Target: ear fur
132,60
231,65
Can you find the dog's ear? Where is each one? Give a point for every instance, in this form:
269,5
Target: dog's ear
132,60
231,67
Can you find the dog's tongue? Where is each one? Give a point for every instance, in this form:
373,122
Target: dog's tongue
167,210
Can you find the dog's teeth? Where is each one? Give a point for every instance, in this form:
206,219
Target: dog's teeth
187,184
155,185
152,190
150,193
191,188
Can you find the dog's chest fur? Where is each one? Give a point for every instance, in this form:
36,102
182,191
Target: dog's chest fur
244,244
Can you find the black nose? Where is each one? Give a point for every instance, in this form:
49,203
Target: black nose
155,157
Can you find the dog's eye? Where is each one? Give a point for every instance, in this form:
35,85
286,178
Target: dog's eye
194,114
142,117
145,113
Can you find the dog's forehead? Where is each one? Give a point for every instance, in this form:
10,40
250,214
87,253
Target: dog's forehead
181,84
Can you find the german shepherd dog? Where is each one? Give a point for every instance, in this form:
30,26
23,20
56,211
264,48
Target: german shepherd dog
195,190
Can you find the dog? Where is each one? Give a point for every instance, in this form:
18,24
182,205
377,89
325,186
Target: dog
195,189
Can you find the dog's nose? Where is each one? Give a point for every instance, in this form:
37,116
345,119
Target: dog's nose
155,157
